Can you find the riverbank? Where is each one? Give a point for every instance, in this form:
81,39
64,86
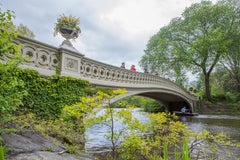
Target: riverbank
217,108
29,145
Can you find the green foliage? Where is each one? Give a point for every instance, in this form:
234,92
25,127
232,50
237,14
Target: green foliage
67,132
234,106
8,26
72,149
3,150
232,97
231,60
7,35
49,149
165,152
207,144
154,106
1,153
25,31
25,91
148,104
108,118
47,96
164,131
196,42
185,153
11,87
79,112
217,92
133,147
12,90
165,128
167,132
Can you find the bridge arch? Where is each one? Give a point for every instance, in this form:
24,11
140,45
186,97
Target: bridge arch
172,101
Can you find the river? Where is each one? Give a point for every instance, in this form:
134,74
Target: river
229,124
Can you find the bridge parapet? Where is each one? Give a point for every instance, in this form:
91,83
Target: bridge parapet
47,59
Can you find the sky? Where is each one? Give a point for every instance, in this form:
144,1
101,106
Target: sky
113,31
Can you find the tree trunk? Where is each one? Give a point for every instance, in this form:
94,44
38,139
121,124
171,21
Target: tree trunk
207,87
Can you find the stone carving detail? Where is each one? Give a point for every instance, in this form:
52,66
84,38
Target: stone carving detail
39,57
30,53
54,62
71,64
43,58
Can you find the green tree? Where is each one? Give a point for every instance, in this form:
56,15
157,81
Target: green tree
6,34
194,42
110,116
232,60
25,31
10,28
20,30
11,88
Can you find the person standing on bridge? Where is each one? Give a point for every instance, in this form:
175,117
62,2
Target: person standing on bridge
123,65
133,68
145,70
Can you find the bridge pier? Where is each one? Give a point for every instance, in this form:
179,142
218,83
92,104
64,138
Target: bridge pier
166,106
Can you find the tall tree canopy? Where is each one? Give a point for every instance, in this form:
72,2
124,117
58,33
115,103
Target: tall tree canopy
232,60
195,42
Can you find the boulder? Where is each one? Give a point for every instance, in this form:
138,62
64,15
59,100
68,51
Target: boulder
43,155
33,146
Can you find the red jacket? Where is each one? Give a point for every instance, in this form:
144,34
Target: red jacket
133,69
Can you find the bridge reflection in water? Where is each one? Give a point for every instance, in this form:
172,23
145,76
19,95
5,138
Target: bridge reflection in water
47,59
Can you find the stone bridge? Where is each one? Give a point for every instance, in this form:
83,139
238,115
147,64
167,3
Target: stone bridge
48,59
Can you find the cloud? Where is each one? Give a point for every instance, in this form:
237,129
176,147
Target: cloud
112,31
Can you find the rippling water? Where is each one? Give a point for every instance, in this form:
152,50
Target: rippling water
215,124
96,141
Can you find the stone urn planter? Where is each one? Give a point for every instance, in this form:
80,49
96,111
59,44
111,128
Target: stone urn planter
68,33
68,27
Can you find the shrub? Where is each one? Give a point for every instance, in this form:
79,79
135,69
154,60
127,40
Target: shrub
218,92
154,106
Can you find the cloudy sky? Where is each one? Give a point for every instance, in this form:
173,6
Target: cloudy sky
113,31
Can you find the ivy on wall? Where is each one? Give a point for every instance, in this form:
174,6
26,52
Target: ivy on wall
46,96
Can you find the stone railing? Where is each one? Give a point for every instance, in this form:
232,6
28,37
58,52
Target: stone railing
47,59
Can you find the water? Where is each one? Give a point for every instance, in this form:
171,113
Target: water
215,123
95,136
97,143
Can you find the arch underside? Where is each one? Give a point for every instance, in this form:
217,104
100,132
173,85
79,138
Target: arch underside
172,100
